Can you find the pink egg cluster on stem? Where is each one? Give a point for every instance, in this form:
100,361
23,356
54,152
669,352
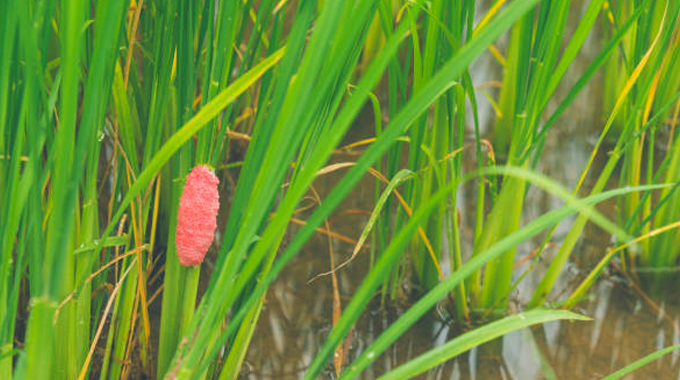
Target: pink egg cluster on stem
197,216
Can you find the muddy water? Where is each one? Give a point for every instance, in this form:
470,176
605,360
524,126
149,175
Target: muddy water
297,315
297,319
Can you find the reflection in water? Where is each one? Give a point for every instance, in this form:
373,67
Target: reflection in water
296,317
296,320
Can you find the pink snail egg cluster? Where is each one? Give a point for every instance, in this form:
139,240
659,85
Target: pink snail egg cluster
197,216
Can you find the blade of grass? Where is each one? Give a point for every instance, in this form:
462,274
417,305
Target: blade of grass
641,362
475,338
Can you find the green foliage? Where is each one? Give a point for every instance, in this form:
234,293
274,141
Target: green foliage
105,107
649,53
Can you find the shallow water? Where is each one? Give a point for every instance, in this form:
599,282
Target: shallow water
294,324
296,317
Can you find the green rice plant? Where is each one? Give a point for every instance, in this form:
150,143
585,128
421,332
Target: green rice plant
432,140
58,205
193,360
431,143
372,281
638,91
378,275
53,157
300,131
13,183
106,106
652,105
533,69
192,49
